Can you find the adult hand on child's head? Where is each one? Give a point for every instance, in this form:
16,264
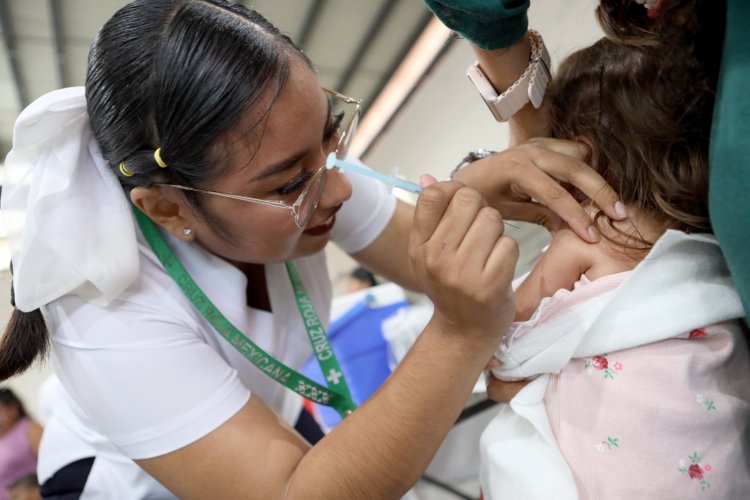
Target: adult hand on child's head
463,262
527,183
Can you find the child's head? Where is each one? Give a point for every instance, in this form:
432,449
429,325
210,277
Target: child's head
646,115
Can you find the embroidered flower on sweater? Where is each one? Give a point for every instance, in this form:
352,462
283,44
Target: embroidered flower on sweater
708,403
695,470
601,363
698,333
608,444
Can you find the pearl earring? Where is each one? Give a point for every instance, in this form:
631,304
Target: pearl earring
187,231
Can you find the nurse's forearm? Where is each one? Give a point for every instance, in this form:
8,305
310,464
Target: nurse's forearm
381,450
388,255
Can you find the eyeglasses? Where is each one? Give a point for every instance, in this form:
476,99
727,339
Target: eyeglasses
306,203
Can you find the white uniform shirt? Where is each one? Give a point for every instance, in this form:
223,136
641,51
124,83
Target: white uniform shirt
147,374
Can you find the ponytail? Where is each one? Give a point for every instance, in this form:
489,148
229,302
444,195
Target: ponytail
26,338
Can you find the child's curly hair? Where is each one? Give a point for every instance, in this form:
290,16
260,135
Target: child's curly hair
695,26
646,113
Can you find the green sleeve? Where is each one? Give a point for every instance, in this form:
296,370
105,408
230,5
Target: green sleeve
729,184
489,24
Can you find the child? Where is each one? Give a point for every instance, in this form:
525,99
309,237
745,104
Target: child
642,385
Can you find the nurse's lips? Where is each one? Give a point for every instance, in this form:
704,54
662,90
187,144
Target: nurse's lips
325,226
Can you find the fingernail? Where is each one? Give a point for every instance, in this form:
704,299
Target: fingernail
620,210
425,180
593,234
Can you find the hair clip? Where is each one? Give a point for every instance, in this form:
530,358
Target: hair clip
124,171
157,157
654,8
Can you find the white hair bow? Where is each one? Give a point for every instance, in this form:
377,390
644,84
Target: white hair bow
68,221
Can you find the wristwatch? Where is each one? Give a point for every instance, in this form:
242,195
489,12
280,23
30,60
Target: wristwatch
529,87
471,157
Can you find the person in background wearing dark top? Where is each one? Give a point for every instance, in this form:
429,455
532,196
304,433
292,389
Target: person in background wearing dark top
24,488
19,441
730,140
359,279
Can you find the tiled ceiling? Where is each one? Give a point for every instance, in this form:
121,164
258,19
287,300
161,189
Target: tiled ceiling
355,44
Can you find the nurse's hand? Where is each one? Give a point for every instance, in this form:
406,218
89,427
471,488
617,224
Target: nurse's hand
463,262
528,182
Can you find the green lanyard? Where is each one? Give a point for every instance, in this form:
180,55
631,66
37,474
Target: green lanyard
337,396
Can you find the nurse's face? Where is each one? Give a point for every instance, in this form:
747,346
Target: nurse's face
275,160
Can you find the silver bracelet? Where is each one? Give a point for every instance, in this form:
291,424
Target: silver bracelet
473,156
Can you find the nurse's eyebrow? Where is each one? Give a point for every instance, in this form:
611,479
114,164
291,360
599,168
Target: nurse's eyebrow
284,165
279,167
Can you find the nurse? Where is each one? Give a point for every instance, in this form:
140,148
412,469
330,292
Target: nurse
171,258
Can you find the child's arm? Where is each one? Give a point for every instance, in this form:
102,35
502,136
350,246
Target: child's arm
566,259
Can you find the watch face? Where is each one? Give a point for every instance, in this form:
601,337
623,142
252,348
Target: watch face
485,88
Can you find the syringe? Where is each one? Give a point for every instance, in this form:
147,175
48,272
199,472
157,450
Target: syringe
392,180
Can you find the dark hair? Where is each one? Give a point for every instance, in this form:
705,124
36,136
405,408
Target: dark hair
9,398
647,114
363,275
174,74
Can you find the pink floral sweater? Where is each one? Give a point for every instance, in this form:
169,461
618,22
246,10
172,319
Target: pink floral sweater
652,403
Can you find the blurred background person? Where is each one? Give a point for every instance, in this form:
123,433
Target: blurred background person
19,441
359,279
24,488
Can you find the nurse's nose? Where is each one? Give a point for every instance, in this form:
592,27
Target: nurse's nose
336,190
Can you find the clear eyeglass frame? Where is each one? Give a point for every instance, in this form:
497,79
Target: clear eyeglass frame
306,203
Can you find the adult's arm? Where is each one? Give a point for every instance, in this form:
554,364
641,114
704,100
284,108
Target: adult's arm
497,31
388,254
503,66
464,263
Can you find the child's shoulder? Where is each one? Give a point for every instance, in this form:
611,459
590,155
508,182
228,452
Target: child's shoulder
596,259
